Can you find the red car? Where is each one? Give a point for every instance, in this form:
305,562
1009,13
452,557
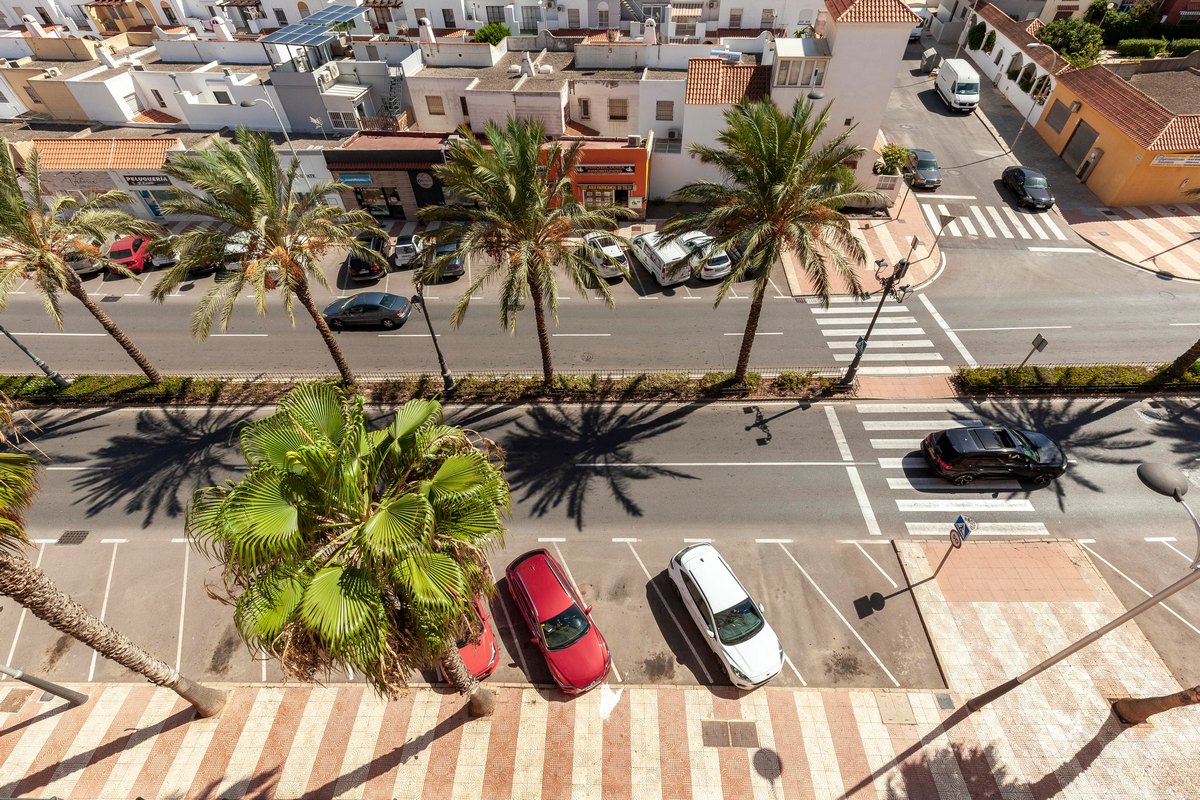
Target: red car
133,253
478,649
561,624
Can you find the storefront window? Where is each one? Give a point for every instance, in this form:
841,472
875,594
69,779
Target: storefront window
380,201
595,196
153,198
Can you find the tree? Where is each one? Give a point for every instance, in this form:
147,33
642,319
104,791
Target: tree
29,586
40,236
1132,23
243,187
492,33
1135,710
516,206
975,35
1077,41
779,191
1180,366
348,547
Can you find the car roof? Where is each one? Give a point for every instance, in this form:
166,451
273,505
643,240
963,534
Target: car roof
125,241
694,236
921,153
1029,172
536,573
713,576
981,440
363,298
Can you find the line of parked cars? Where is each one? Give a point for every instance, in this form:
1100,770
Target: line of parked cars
1028,185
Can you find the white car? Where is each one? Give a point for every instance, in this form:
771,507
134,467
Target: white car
606,253
728,617
711,262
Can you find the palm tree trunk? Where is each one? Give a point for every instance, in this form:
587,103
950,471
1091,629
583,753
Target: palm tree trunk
539,314
78,291
743,363
481,700
335,350
1182,364
29,586
1134,710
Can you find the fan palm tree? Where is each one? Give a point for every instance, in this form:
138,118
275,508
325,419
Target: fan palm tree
1179,367
244,190
21,580
349,547
515,205
780,190
39,236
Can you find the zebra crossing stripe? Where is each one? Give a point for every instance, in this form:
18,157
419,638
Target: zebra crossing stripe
941,485
885,310
913,408
952,226
905,370
1048,221
999,222
959,505
903,344
983,223
917,424
939,529
967,225
875,333
895,444
907,462
889,357
930,217
1031,221
866,321
1016,223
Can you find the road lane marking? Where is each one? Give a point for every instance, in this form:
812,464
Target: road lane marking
772,541
939,529
625,540
864,501
876,565
182,607
642,465
759,333
787,660
697,541
1182,554
517,638
837,611
1160,539
954,340
1017,328
917,424
960,505
575,585
68,469
12,651
104,606
1183,324
686,639
839,436
941,196
548,539
238,335
408,335
54,333
579,335
1084,544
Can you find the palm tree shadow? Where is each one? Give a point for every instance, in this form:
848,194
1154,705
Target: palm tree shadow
172,453
1175,420
555,455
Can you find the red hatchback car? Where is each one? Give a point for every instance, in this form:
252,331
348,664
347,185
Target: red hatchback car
132,253
561,624
478,648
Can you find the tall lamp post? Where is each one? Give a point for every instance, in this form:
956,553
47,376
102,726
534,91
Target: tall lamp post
447,378
49,371
1166,480
1026,119
282,127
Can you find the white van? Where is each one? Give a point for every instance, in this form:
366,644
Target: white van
958,85
667,262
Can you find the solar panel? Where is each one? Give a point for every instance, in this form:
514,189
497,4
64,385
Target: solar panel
300,35
334,15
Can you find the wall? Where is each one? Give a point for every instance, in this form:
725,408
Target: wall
629,56
394,53
651,92
103,101
12,105
57,100
194,51
997,74
466,54
449,89
599,93
203,113
300,101
71,49
13,45
546,107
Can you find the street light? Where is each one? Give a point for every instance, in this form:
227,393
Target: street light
447,378
860,347
282,127
1025,120
50,372
1165,480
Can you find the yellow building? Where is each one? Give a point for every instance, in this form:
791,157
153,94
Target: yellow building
1131,132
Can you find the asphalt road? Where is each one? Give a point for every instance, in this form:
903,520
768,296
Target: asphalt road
802,500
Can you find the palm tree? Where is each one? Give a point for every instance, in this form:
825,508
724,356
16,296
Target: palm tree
780,190
29,586
38,237
1136,710
516,206
1181,365
244,190
353,548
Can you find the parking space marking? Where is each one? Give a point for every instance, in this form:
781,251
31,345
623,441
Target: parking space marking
1160,539
1084,544
682,632
12,651
104,606
772,541
696,541
549,539
840,616
876,565
787,660
1182,554
839,436
575,585
951,335
625,540
778,294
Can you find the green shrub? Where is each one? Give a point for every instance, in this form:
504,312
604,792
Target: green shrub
1135,23
492,33
1101,376
989,43
1141,48
1181,47
1077,41
1013,73
893,157
790,382
975,35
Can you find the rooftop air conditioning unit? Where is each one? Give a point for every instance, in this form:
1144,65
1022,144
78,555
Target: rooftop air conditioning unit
51,72
633,140
672,134
514,69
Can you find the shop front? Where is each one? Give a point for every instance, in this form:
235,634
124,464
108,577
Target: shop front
613,172
388,176
152,190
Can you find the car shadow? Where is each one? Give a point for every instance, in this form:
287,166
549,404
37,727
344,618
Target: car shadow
513,633
933,104
686,644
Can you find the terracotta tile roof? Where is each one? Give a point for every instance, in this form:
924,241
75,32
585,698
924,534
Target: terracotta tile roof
1023,34
84,154
715,82
1145,121
870,11
157,117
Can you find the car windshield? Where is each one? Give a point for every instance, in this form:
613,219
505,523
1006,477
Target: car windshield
719,260
565,629
447,248
393,301
603,241
119,254
967,88
1035,182
1021,443
474,629
739,623
926,163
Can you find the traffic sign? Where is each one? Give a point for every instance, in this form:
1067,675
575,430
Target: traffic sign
955,539
961,530
860,345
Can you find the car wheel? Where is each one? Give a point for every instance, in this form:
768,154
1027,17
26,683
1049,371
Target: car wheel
1043,479
962,480
388,324
336,324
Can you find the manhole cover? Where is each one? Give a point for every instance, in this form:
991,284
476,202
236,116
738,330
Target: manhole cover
945,702
73,537
109,298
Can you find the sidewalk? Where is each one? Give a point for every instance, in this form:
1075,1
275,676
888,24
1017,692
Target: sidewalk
1162,239
994,609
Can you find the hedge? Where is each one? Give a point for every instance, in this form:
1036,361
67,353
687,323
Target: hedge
1181,47
1100,376
1141,48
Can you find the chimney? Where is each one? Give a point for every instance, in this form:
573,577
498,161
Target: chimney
650,33
106,57
35,29
221,29
425,31
527,65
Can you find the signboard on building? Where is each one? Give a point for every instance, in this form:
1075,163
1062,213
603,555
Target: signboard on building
604,169
1176,161
147,180
355,179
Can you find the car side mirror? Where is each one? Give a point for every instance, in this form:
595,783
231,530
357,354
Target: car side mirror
587,610
711,634
761,607
533,640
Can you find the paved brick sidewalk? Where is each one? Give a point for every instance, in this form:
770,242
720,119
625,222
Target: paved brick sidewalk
1157,238
992,610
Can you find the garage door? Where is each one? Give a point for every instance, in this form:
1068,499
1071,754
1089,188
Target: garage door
1079,145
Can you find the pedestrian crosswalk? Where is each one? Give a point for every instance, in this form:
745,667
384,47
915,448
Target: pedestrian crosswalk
927,503
899,345
993,222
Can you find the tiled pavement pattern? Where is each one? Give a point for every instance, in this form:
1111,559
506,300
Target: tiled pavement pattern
1160,238
993,609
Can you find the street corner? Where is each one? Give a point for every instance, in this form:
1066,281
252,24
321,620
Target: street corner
1161,239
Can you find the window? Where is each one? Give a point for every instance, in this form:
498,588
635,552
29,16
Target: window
602,18
735,18
281,17
158,98
768,18
434,103
664,110
422,13
495,13
529,19
223,98
3,99
1058,116
665,145
169,14
684,30
33,95
618,109
462,104
448,17
572,17
585,108
800,72
343,119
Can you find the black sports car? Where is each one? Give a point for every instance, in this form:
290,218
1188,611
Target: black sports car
1030,186
964,454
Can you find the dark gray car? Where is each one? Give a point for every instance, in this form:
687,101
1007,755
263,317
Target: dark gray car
922,170
368,309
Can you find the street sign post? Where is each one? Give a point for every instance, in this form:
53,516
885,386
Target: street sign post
961,530
1039,344
860,345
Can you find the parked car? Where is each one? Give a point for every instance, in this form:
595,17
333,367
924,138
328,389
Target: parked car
560,622
963,454
361,268
405,251
478,647
454,267
709,262
368,309
925,15
732,623
606,253
83,263
1030,186
921,170
135,253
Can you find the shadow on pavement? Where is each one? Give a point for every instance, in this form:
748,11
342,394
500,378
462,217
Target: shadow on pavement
685,643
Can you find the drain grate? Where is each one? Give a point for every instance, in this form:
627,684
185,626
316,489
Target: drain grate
945,702
109,298
728,733
73,537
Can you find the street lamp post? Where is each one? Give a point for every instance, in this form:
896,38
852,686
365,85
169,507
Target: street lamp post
50,373
70,695
282,127
1165,480
898,272
447,377
1026,119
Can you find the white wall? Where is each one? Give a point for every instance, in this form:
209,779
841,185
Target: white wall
789,15
14,45
103,101
651,92
467,54
12,106
192,51
546,107
986,64
599,93
449,89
